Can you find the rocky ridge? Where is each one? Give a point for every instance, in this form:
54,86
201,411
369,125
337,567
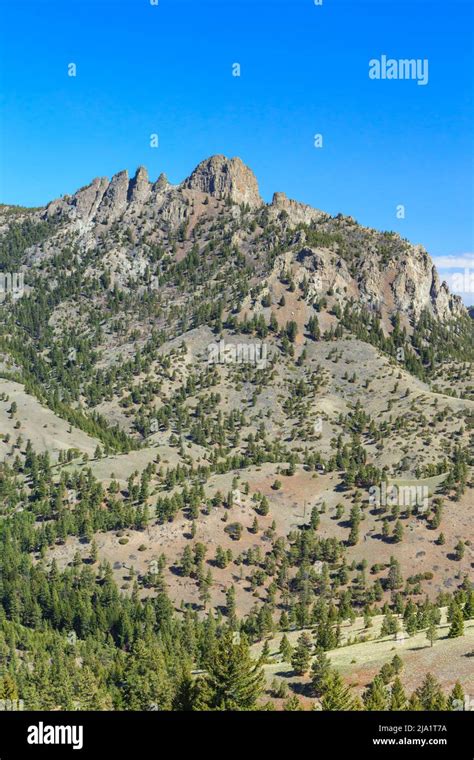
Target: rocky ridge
407,282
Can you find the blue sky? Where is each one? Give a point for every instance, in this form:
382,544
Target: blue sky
167,69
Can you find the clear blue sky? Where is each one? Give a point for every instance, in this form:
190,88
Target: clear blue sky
167,69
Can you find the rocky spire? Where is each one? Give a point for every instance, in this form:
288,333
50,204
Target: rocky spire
223,177
161,182
139,187
115,198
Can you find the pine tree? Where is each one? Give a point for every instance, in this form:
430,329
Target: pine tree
273,324
432,633
264,657
395,579
187,693
325,637
397,664
411,625
386,673
414,702
230,604
337,696
314,519
88,694
286,650
389,625
457,624
398,700
375,696
8,688
94,554
319,672
187,562
398,532
302,655
146,684
456,698
313,328
430,694
234,681
468,611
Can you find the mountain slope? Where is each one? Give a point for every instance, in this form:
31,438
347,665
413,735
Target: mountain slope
201,394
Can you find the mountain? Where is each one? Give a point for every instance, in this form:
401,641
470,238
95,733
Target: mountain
216,411
378,269
126,265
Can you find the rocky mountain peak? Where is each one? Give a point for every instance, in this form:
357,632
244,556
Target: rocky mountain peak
371,267
223,177
161,182
139,187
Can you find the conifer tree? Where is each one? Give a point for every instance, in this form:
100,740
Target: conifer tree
319,672
302,655
456,698
430,694
397,664
264,657
457,624
375,696
468,610
286,650
234,681
414,703
398,700
389,625
337,696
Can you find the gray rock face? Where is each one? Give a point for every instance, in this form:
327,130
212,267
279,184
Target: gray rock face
417,286
115,198
139,188
407,282
444,302
407,286
297,212
82,205
161,183
222,177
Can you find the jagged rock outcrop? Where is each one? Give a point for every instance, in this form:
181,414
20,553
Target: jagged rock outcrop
161,183
115,198
391,276
139,188
82,205
417,286
298,213
103,202
223,177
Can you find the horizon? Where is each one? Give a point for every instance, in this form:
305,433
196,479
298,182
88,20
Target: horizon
391,154
452,269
